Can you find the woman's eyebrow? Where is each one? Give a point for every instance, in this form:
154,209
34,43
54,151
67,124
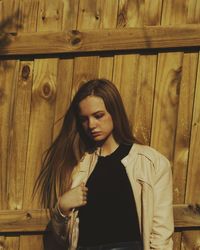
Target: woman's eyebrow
96,112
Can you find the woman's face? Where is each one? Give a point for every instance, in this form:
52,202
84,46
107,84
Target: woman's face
95,119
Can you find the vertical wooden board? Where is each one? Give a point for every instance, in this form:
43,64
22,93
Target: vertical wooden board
7,88
65,67
109,10
190,239
174,12
152,12
144,100
172,69
166,103
125,78
85,68
63,95
18,143
50,18
106,67
193,186
20,122
9,17
28,11
12,243
19,136
41,123
70,14
132,14
8,74
126,66
89,15
108,13
186,98
21,115
193,15
34,242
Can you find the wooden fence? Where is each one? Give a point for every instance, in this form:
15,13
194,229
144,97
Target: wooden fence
149,49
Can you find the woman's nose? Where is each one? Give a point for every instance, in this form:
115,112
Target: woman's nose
91,123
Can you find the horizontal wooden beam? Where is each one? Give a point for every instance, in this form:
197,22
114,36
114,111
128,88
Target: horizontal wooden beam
148,37
186,216
24,220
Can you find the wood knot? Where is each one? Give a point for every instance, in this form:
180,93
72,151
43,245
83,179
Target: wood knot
122,18
75,41
97,15
75,32
25,72
28,216
75,38
47,91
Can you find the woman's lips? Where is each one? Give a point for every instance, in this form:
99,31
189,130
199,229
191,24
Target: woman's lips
94,134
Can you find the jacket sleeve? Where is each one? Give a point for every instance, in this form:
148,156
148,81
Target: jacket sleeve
59,225
163,222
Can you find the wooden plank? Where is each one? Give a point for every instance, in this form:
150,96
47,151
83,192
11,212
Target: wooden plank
65,69
190,239
11,243
20,124
28,12
166,127
125,77
19,136
193,187
9,16
109,10
30,242
49,18
136,87
104,40
36,220
8,78
8,73
24,220
186,93
86,67
70,11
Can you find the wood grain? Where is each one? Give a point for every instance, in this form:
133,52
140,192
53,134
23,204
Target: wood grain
105,40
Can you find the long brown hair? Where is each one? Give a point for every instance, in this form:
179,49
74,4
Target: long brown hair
71,143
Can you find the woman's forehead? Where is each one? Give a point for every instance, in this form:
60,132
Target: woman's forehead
91,104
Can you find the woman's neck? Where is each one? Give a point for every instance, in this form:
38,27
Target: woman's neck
109,146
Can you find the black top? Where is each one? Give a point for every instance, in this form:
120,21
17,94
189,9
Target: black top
110,214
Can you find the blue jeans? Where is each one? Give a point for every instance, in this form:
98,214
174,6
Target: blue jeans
135,245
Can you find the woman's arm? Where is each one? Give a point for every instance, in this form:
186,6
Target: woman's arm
59,224
64,217
163,222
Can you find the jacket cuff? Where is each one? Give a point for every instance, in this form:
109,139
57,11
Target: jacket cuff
58,216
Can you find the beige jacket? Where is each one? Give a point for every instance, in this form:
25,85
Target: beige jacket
150,176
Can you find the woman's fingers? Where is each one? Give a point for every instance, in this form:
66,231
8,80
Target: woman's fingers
84,191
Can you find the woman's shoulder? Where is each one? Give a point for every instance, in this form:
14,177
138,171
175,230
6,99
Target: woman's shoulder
150,154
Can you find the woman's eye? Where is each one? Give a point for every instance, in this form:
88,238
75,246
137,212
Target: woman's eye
98,116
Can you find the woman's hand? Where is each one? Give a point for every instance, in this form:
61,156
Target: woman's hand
75,197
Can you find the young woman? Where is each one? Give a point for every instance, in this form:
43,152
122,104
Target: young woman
105,190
